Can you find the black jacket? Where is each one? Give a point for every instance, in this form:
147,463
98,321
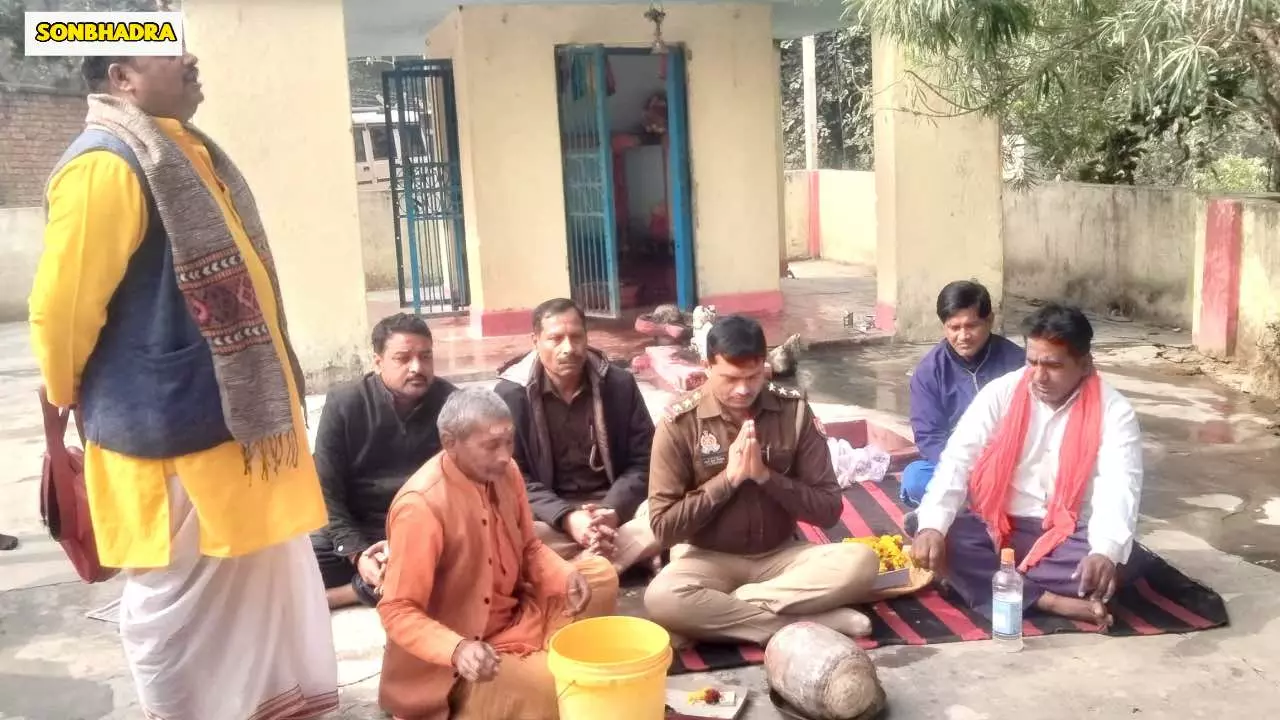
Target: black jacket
364,452
627,424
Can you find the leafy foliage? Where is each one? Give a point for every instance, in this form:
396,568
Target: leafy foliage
365,77
843,72
1232,173
51,72
1094,86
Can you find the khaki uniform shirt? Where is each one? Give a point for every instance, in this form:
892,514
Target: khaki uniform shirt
691,499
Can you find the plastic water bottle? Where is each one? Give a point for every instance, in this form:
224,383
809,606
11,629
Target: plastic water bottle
1006,604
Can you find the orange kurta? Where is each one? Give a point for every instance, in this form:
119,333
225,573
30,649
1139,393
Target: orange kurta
464,562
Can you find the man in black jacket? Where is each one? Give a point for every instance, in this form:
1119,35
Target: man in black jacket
583,435
373,434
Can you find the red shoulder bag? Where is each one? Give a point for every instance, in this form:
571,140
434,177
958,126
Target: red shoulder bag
64,501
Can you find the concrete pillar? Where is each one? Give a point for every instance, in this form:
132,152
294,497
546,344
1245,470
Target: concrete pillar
781,162
276,99
938,205
809,80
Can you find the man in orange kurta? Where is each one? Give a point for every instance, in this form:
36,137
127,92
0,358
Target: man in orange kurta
471,595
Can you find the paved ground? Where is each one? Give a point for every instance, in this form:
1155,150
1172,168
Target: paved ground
826,302
1212,504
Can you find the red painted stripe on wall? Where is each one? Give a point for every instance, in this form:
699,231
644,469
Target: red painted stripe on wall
815,215
1220,278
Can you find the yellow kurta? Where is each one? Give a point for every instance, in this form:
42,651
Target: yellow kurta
97,219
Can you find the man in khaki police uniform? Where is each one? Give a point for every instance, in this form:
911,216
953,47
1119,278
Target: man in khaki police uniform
734,466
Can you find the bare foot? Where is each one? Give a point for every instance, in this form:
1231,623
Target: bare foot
1082,609
846,621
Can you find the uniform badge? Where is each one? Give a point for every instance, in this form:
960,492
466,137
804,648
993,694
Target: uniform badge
709,450
708,443
785,392
817,425
682,407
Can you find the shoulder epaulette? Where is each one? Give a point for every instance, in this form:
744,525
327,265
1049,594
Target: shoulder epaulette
785,392
682,406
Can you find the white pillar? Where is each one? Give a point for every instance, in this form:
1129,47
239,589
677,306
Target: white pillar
276,98
809,76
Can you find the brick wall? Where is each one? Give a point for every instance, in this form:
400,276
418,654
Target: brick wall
35,128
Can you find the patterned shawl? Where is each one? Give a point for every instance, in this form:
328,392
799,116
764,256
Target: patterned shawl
215,282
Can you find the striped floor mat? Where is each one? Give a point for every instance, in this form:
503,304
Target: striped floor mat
1165,601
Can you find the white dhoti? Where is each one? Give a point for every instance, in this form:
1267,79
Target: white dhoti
245,638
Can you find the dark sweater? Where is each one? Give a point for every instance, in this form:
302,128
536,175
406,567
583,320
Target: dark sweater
364,452
944,384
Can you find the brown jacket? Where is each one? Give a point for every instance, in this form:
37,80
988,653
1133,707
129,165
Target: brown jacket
622,425
438,577
691,500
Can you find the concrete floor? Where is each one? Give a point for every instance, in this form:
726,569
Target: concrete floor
1211,507
825,303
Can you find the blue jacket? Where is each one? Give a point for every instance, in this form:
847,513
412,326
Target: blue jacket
944,384
149,389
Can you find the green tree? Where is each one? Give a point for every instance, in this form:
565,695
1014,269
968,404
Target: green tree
843,74
1094,85
365,77
52,72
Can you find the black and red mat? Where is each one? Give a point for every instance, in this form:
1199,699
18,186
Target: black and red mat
1164,601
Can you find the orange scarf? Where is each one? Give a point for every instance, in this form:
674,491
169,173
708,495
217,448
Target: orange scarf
992,474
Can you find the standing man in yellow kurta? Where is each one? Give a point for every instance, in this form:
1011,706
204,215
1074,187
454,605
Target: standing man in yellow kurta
156,311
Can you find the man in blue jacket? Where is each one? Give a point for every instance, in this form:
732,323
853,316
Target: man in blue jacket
950,375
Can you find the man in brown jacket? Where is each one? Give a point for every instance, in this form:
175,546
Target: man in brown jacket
471,595
735,465
583,434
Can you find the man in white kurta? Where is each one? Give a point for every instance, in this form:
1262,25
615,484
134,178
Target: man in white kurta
1070,550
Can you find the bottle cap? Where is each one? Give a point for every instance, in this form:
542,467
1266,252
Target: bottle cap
1006,556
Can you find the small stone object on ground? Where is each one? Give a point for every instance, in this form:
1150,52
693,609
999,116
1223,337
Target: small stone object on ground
821,674
667,315
782,359
704,316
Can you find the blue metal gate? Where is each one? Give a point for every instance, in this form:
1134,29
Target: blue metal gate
426,186
681,210
588,180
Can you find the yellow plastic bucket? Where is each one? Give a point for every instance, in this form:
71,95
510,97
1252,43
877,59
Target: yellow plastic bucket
611,668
